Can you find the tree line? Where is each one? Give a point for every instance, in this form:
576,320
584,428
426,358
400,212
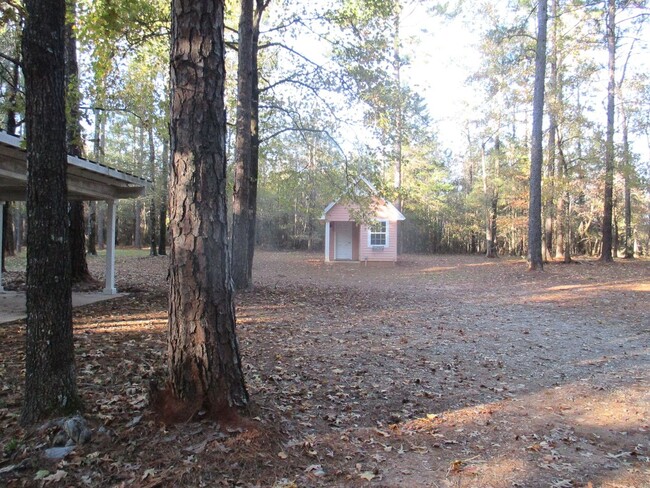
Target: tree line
301,105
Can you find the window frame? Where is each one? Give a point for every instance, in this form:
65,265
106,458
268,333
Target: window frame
385,233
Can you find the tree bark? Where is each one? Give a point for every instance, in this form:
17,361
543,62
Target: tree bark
79,264
80,272
50,378
91,244
8,222
101,215
241,188
535,261
204,362
606,253
18,225
552,101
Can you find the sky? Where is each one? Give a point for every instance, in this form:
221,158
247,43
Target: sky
445,54
444,58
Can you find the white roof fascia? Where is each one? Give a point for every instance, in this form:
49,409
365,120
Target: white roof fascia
328,208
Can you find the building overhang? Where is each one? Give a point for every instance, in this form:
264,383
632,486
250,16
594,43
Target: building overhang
87,180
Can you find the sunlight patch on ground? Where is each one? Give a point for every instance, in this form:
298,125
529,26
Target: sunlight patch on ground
572,293
614,411
497,470
473,265
644,287
438,269
138,323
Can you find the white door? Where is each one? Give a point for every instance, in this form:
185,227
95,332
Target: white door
343,248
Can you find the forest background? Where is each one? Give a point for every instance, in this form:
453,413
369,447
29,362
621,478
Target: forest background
433,104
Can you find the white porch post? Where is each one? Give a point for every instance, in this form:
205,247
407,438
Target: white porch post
2,210
327,241
109,288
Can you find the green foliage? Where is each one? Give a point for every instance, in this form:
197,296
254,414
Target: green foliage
10,447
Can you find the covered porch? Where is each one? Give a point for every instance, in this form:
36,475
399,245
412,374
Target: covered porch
87,181
342,240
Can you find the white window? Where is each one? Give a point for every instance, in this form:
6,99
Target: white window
378,233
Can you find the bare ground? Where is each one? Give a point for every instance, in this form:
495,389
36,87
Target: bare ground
441,371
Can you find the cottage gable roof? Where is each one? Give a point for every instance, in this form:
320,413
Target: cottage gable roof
363,187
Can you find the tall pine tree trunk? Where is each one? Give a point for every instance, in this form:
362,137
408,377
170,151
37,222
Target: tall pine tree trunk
255,137
627,193
204,363
79,264
241,189
101,216
606,253
50,377
536,153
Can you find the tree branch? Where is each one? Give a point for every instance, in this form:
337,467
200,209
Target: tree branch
11,59
291,50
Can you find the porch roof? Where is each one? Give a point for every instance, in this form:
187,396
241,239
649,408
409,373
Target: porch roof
87,180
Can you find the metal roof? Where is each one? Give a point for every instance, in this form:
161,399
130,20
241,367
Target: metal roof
87,180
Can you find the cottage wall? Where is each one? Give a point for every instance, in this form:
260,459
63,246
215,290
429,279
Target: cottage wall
338,213
388,253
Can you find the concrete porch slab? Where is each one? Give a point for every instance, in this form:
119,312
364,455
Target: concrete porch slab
12,303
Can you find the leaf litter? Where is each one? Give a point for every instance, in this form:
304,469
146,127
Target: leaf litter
439,371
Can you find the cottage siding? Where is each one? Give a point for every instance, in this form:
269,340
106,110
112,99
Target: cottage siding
338,213
388,253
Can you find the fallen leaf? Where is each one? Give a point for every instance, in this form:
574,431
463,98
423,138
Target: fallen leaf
147,473
58,476
619,455
456,466
135,421
367,475
196,448
41,473
315,469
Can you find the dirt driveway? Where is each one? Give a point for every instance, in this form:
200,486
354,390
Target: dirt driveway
439,371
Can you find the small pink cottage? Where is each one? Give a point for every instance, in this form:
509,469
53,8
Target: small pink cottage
353,233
